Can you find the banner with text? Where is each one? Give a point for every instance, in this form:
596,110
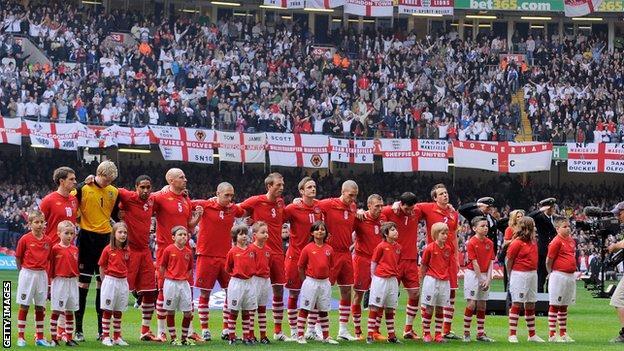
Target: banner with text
411,155
352,151
324,4
62,136
298,150
185,144
533,5
596,158
285,4
503,157
241,147
11,131
369,8
429,7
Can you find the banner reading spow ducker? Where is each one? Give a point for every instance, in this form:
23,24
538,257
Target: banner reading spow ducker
503,157
429,7
369,8
324,4
62,136
185,144
298,150
411,155
241,147
285,4
352,151
11,131
596,158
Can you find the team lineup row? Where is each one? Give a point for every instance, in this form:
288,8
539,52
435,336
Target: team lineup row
322,233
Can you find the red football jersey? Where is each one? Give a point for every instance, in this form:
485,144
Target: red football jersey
300,217
33,253
263,255
368,234
387,257
115,261
437,260
241,263
316,260
523,254
64,261
178,263
171,210
340,220
138,217
214,238
563,253
57,208
271,213
481,250
432,213
407,225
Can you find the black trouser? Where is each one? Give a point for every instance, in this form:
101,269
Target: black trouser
541,273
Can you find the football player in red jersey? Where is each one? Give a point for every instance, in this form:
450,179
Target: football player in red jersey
60,205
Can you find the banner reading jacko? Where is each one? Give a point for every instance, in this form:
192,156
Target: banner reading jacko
504,157
411,155
369,8
241,147
298,150
185,144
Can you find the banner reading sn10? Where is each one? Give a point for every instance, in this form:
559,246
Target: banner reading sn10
503,157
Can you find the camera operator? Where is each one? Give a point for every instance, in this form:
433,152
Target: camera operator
543,218
617,300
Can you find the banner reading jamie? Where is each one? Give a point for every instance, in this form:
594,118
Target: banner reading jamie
62,136
324,4
285,4
11,131
241,147
429,7
298,150
352,151
185,144
503,157
411,155
595,158
369,8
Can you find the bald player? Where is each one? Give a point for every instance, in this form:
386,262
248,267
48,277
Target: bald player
339,215
213,243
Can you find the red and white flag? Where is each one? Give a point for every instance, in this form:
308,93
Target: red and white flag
298,150
130,135
185,144
241,147
95,136
62,136
369,8
503,157
575,8
352,151
595,158
324,4
411,155
429,7
285,4
11,131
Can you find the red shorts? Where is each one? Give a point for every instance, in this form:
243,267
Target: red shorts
361,273
293,280
409,274
209,270
342,271
453,271
277,271
141,272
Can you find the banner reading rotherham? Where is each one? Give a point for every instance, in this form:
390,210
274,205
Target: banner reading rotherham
298,150
11,131
503,157
324,4
574,8
595,158
62,136
241,147
429,7
286,4
185,144
411,155
352,151
369,8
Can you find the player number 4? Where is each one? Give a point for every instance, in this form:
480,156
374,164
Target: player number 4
221,215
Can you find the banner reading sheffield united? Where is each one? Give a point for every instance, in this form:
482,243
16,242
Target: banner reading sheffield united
61,136
503,157
411,155
185,144
595,158
298,150
352,151
241,147
369,8
11,131
429,7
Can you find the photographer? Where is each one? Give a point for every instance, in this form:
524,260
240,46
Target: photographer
617,300
543,218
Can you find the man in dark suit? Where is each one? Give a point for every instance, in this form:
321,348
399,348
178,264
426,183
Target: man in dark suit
483,207
546,231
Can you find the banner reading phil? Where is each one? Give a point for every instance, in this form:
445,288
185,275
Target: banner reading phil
411,155
352,151
285,4
429,7
324,4
574,8
504,157
595,158
62,136
298,150
11,131
185,144
241,147
369,8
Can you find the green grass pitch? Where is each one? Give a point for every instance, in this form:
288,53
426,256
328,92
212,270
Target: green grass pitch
592,322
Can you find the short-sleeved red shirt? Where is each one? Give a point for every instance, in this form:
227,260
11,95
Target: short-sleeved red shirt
177,262
263,256
438,260
171,210
33,253
387,257
241,263
316,260
138,217
368,234
115,261
432,213
563,253
271,213
214,238
340,219
481,250
523,254
300,216
64,261
57,208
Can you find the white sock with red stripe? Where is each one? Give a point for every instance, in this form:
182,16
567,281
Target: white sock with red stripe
262,321
562,318
301,321
356,311
39,319
439,321
410,313
468,312
106,320
426,322
448,313
278,313
529,316
203,311
21,322
514,315
344,309
53,325
147,311
390,323
161,314
117,325
292,314
480,322
324,322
